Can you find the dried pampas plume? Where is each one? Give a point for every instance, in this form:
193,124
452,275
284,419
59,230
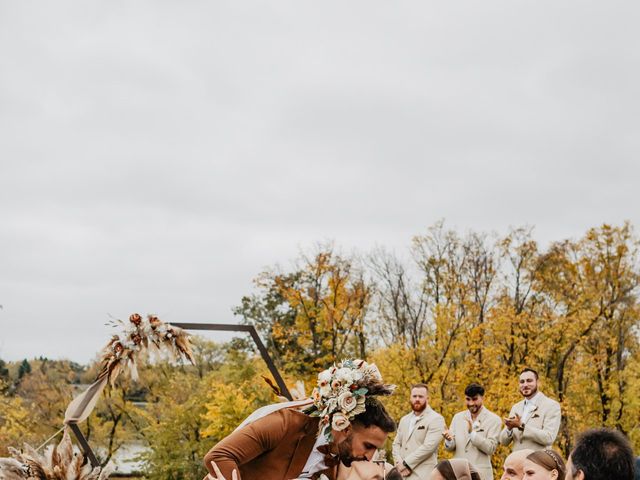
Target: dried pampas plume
60,462
151,335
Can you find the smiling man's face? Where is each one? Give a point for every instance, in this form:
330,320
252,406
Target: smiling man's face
528,384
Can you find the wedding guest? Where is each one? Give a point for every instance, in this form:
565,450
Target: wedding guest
513,468
601,454
473,434
454,469
415,448
533,422
544,465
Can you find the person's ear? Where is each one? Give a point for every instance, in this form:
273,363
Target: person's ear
554,474
579,476
340,435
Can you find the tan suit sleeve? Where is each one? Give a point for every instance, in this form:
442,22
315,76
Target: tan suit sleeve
505,438
450,446
430,445
247,443
397,442
551,424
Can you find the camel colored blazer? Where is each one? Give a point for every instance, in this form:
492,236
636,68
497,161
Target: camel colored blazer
540,429
275,447
479,447
419,447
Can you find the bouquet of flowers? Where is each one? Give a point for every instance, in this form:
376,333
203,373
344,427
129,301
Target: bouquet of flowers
342,392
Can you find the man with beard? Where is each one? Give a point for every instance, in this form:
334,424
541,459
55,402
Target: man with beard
415,448
473,434
311,437
533,422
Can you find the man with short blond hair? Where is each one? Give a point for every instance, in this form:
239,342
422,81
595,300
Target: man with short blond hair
514,465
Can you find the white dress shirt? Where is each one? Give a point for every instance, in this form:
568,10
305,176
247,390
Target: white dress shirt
529,407
315,462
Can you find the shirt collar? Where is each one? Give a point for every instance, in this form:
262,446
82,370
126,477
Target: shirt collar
321,440
532,400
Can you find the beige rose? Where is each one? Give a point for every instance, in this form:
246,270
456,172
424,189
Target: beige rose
359,408
347,402
339,422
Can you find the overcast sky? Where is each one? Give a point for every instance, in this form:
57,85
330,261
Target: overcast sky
156,155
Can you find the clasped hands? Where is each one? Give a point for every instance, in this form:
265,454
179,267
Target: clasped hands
448,436
513,422
402,469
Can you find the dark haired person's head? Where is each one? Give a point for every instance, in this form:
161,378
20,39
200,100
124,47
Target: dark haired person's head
365,434
528,382
454,469
544,465
601,454
474,389
474,397
394,474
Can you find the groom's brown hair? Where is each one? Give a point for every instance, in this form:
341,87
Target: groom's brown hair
375,414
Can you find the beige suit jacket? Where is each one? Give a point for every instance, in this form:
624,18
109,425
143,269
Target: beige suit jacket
419,447
540,429
479,446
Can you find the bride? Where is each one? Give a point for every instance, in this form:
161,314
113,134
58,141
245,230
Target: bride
363,470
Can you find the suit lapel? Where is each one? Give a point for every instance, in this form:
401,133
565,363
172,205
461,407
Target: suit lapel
303,446
418,422
480,420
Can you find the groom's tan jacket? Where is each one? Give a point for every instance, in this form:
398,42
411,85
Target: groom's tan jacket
275,447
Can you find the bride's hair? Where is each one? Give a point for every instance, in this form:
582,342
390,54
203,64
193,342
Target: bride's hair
446,470
393,474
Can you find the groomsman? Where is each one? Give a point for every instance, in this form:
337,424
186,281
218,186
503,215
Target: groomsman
533,422
415,448
473,434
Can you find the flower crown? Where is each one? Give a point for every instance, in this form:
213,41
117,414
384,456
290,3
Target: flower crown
342,392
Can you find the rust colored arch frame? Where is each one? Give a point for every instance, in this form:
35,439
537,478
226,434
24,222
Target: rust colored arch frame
224,327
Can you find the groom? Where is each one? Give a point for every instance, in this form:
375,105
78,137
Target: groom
287,444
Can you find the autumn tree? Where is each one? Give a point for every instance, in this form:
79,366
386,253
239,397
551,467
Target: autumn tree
313,315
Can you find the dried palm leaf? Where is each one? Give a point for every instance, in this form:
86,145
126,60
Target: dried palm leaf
59,462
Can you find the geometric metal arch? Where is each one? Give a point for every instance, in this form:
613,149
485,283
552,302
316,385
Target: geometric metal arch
226,327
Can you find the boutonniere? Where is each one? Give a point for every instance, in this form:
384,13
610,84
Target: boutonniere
535,415
421,427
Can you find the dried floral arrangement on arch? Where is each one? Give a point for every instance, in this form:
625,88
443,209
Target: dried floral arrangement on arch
150,335
121,354
59,462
